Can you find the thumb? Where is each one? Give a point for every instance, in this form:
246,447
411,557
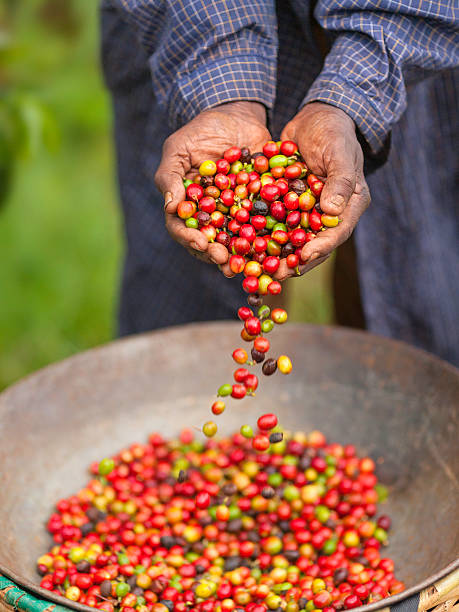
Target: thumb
169,181
339,187
288,133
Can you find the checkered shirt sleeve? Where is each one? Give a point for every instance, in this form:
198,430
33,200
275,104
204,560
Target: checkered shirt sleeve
206,53
379,47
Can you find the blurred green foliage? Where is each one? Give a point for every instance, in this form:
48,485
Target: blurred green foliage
60,240
59,227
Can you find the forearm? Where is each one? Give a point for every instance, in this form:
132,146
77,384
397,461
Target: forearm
377,49
204,55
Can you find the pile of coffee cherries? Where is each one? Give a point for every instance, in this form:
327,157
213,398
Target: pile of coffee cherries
263,208
215,526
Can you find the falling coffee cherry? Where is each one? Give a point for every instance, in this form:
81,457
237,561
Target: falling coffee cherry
269,367
257,356
267,421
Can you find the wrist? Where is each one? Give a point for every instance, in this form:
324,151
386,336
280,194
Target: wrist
314,108
243,108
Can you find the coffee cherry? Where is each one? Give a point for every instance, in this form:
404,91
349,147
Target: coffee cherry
306,201
209,429
240,374
274,288
224,390
269,367
284,364
240,356
288,148
267,421
238,391
106,466
246,431
261,344
222,513
293,261
279,315
267,326
254,300
268,492
270,148
186,209
260,443
263,282
315,220
252,268
250,284
244,313
251,383
218,407
269,192
202,500
253,326
257,356
298,237
329,220
232,155
207,168
271,264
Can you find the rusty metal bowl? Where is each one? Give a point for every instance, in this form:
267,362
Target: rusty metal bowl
394,402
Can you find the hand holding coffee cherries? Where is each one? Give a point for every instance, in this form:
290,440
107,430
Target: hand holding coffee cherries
206,136
262,208
328,144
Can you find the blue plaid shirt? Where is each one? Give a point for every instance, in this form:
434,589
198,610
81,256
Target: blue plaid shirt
206,53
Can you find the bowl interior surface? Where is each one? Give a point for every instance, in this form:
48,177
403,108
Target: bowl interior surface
395,403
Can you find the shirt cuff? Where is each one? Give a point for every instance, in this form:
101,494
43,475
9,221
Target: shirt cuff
228,79
332,89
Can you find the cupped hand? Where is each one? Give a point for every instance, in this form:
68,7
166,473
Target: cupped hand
328,144
242,124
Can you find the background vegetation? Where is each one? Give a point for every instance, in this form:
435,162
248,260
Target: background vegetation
60,234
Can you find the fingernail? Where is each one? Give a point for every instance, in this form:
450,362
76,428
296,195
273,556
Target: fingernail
314,256
167,199
213,260
195,246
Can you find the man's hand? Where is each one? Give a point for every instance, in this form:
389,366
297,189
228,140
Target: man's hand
327,141
206,137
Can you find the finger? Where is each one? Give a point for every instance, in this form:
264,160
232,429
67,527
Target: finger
288,133
327,241
285,272
198,255
186,236
169,176
340,183
313,264
226,270
218,253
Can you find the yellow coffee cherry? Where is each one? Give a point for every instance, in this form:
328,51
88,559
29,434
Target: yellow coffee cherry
329,220
207,168
284,364
73,593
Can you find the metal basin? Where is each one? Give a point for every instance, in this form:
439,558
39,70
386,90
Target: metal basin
394,402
